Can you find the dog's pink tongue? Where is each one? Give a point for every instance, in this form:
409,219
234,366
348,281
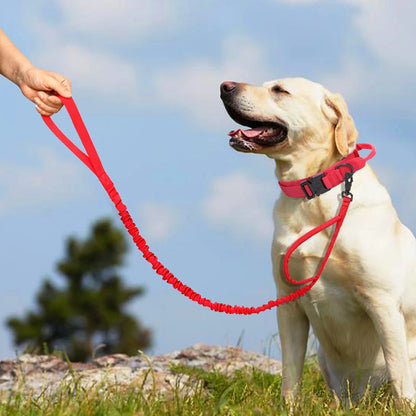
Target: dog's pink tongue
248,133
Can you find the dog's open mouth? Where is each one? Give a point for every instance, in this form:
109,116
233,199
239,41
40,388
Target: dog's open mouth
262,134
251,139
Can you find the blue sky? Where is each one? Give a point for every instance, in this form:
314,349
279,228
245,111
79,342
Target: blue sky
145,77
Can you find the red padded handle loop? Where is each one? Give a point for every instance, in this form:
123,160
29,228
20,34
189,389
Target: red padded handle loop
91,159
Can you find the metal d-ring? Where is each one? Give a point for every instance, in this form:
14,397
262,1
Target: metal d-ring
347,180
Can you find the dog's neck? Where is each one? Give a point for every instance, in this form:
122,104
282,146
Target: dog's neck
309,157
297,166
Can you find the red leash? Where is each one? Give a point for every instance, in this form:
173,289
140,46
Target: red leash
92,161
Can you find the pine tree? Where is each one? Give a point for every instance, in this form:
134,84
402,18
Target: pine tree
89,309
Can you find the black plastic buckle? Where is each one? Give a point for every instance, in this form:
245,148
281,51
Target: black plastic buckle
315,185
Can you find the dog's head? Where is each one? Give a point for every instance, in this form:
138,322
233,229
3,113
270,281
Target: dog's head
288,115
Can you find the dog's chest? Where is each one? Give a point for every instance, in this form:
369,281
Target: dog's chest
336,316
344,330
315,247
332,290
332,304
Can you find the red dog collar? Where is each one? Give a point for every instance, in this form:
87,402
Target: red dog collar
329,178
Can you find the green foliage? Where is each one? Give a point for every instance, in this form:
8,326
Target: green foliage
246,393
89,309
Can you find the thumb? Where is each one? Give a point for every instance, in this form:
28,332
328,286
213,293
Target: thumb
60,85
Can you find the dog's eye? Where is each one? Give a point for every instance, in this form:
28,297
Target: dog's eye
278,89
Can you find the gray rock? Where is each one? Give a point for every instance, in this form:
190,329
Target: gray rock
46,374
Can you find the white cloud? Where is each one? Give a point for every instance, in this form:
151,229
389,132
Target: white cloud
240,204
102,74
82,41
387,28
93,70
194,86
53,180
157,221
351,79
299,1
126,21
388,31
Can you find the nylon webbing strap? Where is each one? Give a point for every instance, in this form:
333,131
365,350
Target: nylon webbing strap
92,161
329,178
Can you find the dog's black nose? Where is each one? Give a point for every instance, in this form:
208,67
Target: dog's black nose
228,87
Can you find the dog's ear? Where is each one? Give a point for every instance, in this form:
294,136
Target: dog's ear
345,132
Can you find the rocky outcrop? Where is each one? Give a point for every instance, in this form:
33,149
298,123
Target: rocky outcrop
45,374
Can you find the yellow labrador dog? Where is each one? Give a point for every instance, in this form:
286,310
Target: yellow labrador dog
363,308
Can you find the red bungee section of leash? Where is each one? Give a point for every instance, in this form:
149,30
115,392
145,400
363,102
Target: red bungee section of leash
92,161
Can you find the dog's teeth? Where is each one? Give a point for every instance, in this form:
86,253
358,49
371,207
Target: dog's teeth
269,131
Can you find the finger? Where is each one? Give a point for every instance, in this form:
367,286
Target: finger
59,84
67,88
28,92
50,100
55,101
43,108
42,112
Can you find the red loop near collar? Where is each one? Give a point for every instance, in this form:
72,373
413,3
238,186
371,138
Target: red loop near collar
92,161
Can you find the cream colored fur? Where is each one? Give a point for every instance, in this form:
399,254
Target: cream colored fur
363,308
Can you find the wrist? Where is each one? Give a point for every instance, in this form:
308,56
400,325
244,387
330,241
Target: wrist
13,64
19,72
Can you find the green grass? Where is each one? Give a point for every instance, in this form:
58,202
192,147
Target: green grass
245,393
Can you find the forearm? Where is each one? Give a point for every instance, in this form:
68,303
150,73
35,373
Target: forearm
13,64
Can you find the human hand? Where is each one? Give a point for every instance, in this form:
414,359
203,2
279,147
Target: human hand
41,87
